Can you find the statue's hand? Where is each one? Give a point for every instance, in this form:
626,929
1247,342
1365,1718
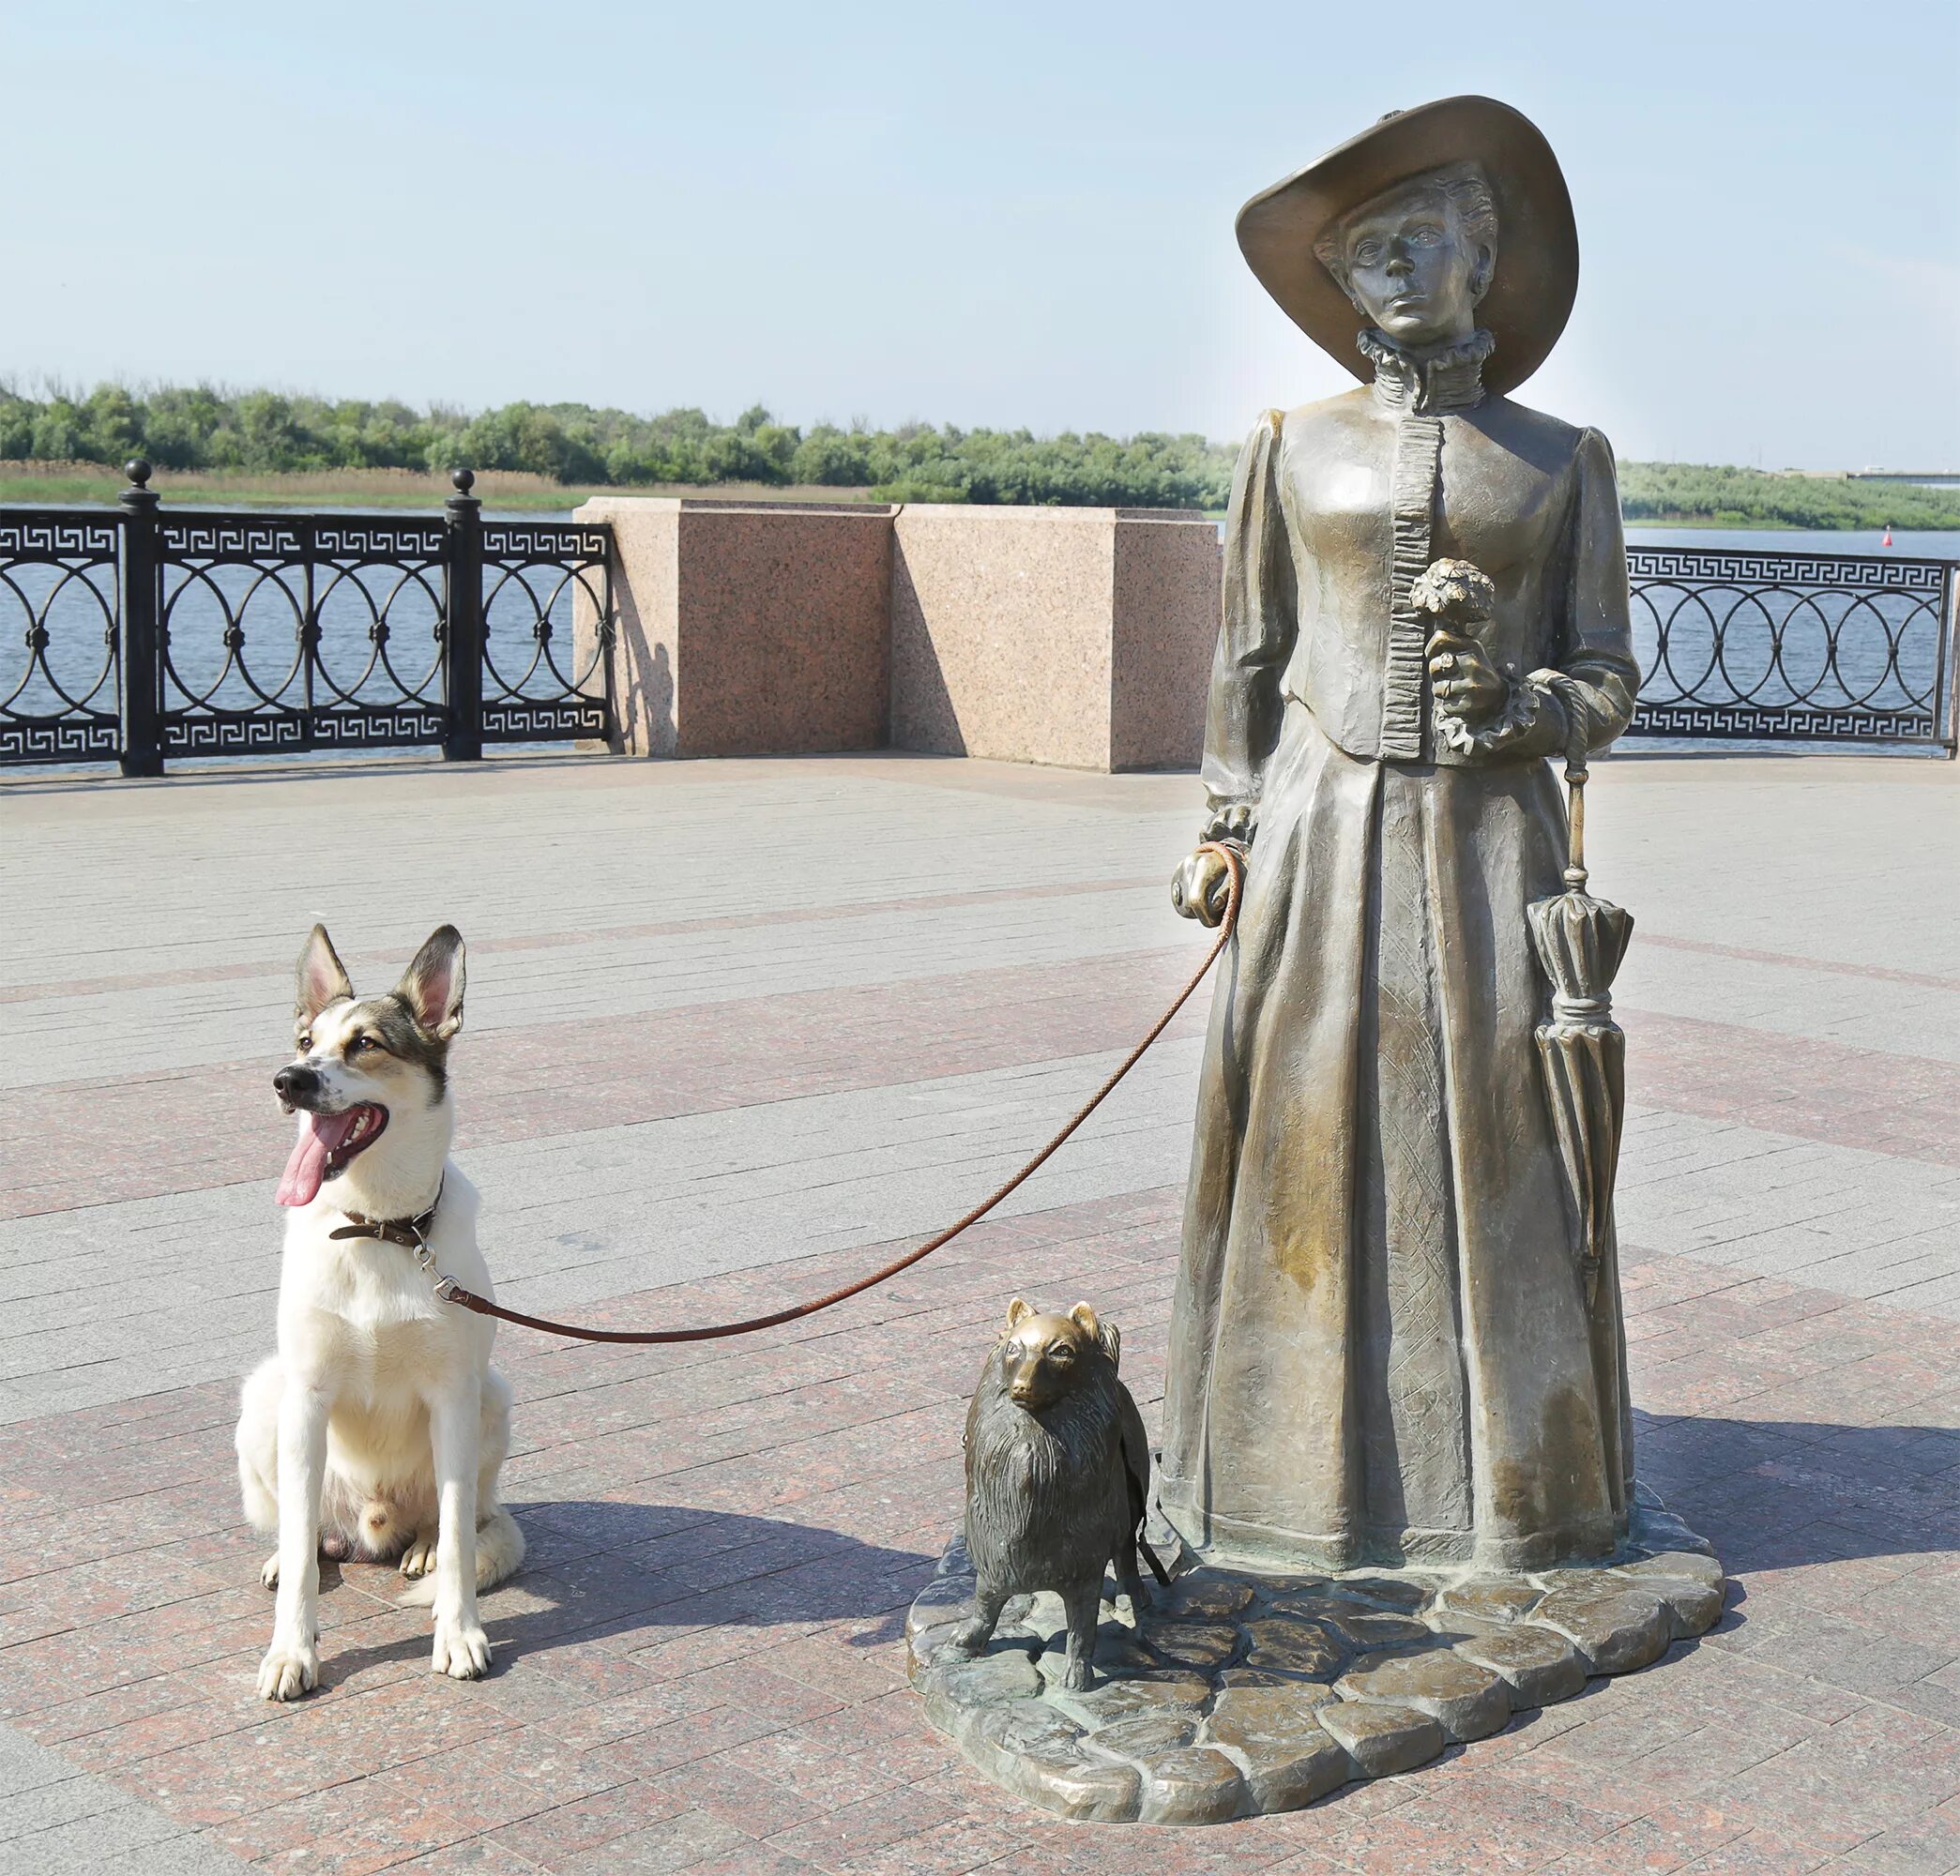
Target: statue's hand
1466,684
1201,885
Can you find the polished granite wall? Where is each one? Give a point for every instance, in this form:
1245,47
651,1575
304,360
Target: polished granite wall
1078,637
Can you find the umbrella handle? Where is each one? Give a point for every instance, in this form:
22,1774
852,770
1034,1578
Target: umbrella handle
1577,738
1575,819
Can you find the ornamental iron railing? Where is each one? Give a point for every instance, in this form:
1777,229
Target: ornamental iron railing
1830,650
151,635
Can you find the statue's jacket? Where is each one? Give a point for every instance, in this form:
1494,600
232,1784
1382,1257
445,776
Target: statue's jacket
1381,1347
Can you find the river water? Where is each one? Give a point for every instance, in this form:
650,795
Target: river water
1907,544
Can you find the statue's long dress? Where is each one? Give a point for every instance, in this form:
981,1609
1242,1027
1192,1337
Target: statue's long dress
1381,1347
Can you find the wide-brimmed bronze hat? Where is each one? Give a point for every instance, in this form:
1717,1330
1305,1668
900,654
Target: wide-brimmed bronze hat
1531,294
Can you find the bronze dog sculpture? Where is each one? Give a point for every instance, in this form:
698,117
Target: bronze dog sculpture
1058,1473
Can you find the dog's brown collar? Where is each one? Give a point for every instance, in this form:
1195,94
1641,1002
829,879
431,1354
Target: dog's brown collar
410,1234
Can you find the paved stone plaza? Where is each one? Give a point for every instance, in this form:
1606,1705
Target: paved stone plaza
736,1028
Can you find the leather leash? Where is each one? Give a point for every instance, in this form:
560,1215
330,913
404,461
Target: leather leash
452,1292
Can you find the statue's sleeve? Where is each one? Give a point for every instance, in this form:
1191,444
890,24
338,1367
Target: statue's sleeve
1254,641
1596,648
1585,699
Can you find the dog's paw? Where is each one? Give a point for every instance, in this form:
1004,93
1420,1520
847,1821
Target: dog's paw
462,1653
288,1672
268,1575
419,1557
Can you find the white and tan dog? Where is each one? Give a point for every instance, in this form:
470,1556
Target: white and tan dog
379,1427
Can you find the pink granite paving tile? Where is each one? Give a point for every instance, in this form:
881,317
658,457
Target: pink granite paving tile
1762,1852
1816,1089
705,1632
474,1856
1498,1824
684,1841
870,1823
1866,1659
955,1848
1331,1834
1662,1842
618,1717
128,1584
95,1143
659,1749
757,1860
375,963
1613,1790
582,1696
1619,1730
548,1838
498,1781
1310,1863
188,1719
111,1654
311,1748
818,1766
1706,1764
347,1830
725,1786
833,1664
1926,1845
1878,1767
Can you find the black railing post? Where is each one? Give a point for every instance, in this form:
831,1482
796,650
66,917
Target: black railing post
462,632
139,683
1946,667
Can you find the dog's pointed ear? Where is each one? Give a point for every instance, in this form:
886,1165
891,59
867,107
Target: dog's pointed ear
432,986
321,979
1104,1335
1018,1312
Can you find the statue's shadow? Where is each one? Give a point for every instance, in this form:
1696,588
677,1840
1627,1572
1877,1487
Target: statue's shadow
1783,1494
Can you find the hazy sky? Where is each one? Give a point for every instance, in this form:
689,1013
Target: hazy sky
989,214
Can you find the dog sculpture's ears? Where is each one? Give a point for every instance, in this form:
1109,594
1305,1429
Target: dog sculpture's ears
432,986
323,979
1018,1312
1105,1335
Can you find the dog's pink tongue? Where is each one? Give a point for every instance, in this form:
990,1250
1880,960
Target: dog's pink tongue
319,1134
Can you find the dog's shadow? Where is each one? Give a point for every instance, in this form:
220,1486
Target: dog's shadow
601,1570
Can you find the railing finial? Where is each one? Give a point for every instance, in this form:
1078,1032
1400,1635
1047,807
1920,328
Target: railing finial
465,479
139,471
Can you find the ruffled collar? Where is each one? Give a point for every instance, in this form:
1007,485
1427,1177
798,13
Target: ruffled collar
1450,378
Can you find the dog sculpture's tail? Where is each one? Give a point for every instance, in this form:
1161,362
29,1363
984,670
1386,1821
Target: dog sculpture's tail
500,1548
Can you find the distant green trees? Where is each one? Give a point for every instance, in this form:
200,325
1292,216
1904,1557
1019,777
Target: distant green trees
198,426
1666,492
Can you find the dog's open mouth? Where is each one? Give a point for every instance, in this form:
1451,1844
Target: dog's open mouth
326,1145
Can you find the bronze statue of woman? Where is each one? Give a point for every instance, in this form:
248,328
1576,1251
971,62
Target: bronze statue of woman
1381,1349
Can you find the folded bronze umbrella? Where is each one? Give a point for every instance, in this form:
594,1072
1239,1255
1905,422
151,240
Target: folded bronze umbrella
1580,941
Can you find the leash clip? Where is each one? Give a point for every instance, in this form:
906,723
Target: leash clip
446,1287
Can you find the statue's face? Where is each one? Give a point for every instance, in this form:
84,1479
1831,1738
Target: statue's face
1411,267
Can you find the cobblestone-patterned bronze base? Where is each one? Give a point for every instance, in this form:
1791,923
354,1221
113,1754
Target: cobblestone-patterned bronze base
1238,1693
